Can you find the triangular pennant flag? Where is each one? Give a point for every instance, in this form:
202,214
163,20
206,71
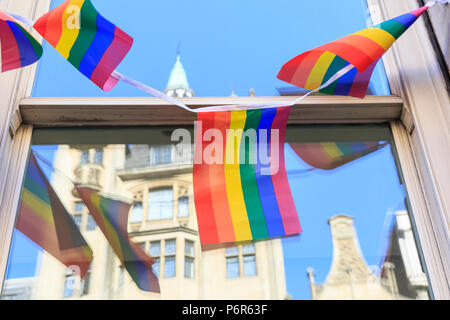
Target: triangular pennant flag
112,218
331,155
88,41
18,48
362,50
241,190
43,219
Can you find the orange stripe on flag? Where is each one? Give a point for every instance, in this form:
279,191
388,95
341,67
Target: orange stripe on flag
304,68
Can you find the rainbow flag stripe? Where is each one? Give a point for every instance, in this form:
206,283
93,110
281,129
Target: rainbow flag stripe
362,49
43,218
18,48
331,155
112,218
88,41
236,198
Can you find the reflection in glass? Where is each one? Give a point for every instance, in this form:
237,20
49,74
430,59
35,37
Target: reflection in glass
91,224
183,207
155,248
169,267
249,266
233,267
358,239
189,268
137,212
171,247
160,204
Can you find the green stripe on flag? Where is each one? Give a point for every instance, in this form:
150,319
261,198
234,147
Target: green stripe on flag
88,30
248,177
36,189
337,64
396,29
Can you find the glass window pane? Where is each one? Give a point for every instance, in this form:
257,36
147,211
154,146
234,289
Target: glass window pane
346,186
84,157
79,207
189,248
69,285
171,247
98,156
137,212
248,248
161,155
189,267
156,266
121,277
91,224
78,218
169,267
232,251
249,266
155,248
160,204
183,207
233,267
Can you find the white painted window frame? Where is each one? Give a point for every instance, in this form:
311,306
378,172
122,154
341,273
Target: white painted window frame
419,120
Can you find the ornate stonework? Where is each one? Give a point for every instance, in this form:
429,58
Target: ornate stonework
349,276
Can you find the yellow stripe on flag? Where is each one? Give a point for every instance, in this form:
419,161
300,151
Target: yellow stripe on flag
235,194
111,233
319,70
332,150
70,27
41,208
383,38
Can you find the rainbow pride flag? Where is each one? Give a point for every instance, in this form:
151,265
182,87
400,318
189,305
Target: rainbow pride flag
88,41
239,194
331,155
362,50
112,218
18,48
43,218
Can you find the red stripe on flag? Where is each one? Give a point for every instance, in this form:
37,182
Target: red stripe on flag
112,57
349,53
202,184
41,232
10,49
361,82
49,25
366,45
305,67
288,70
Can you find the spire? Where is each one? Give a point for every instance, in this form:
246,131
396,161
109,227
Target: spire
178,85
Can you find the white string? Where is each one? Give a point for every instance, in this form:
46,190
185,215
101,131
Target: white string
24,20
249,106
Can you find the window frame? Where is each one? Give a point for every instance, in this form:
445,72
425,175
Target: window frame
419,160
189,255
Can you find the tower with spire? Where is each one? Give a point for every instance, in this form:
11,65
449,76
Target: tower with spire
178,85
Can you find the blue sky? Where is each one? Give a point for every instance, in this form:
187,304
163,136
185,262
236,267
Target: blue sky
238,44
242,44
